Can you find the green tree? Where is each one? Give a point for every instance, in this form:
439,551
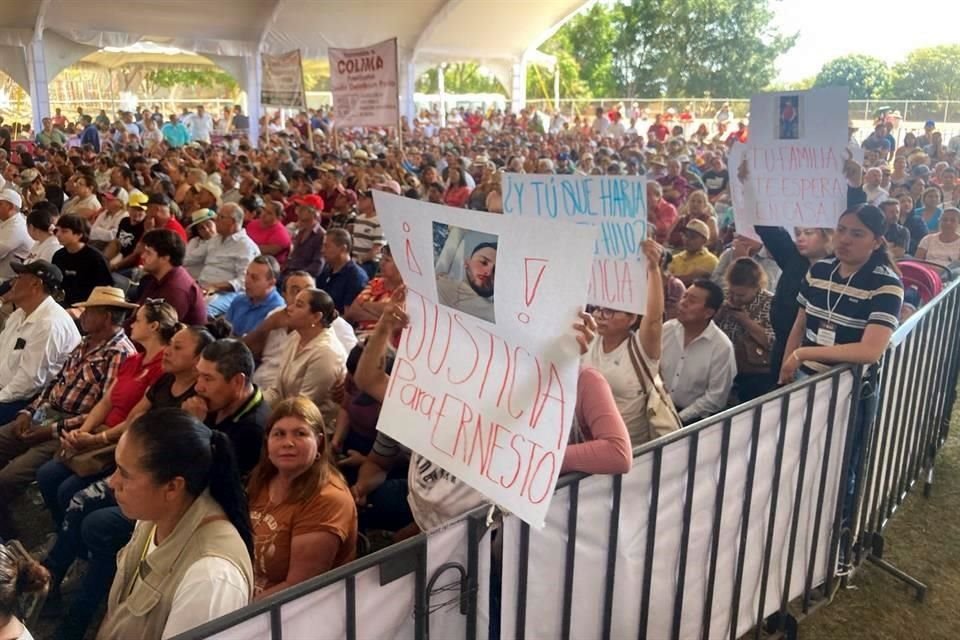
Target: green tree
170,77
590,39
540,79
462,77
928,74
652,48
867,77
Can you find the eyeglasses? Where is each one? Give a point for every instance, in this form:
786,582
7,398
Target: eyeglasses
154,302
603,312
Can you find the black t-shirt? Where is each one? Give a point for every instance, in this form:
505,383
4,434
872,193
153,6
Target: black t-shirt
161,395
716,181
82,271
246,429
128,235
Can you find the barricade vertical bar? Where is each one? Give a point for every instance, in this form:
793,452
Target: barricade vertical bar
571,556
912,415
871,441
351,602
420,603
925,400
715,533
475,530
935,414
774,501
884,437
798,496
908,421
276,624
694,442
822,491
651,541
521,632
901,432
845,468
745,521
612,542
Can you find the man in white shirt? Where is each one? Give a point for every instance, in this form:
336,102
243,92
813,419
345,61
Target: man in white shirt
15,242
37,338
697,363
200,125
871,186
227,257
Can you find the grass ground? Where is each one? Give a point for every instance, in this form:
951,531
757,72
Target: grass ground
923,540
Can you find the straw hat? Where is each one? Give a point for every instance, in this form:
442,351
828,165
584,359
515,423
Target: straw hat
106,297
200,216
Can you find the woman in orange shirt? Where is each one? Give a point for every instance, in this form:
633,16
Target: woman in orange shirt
303,515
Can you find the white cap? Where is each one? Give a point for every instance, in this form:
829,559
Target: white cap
11,196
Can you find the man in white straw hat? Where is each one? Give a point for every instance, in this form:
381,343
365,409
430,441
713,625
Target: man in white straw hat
33,437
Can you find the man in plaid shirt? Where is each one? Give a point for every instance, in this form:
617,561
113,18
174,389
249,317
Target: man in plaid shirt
33,437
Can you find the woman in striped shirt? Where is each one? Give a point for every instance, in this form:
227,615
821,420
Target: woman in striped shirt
849,302
849,308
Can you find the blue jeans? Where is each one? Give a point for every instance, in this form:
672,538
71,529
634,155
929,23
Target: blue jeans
389,509
93,526
9,410
58,484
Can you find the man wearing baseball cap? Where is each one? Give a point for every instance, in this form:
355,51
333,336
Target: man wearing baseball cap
33,436
695,261
15,241
36,338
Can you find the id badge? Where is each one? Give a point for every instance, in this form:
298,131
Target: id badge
826,336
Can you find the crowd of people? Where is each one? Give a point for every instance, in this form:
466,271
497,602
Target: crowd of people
199,332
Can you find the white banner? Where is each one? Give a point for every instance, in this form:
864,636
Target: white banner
364,85
615,205
547,547
793,161
282,82
484,383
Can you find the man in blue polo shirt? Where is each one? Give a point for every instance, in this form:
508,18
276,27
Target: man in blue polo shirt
259,297
342,278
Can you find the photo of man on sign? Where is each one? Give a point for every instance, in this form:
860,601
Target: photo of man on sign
466,266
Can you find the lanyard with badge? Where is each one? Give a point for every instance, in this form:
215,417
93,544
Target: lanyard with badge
827,333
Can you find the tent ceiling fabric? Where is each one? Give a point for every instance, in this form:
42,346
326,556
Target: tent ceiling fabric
428,31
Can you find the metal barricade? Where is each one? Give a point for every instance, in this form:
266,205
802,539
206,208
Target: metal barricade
736,525
715,528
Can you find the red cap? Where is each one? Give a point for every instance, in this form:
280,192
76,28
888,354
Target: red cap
311,200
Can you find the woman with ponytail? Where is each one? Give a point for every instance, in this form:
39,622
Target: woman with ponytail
19,575
314,361
849,308
849,303
190,558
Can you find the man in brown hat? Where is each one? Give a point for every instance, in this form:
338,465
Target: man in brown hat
32,438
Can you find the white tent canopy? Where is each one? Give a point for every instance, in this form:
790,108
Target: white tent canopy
40,38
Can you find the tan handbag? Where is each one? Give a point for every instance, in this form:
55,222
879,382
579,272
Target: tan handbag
90,462
662,417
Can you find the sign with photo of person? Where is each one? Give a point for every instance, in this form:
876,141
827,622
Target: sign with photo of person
791,170
484,382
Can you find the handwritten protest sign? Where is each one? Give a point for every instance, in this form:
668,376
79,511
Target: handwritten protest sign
615,205
485,378
364,85
793,160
